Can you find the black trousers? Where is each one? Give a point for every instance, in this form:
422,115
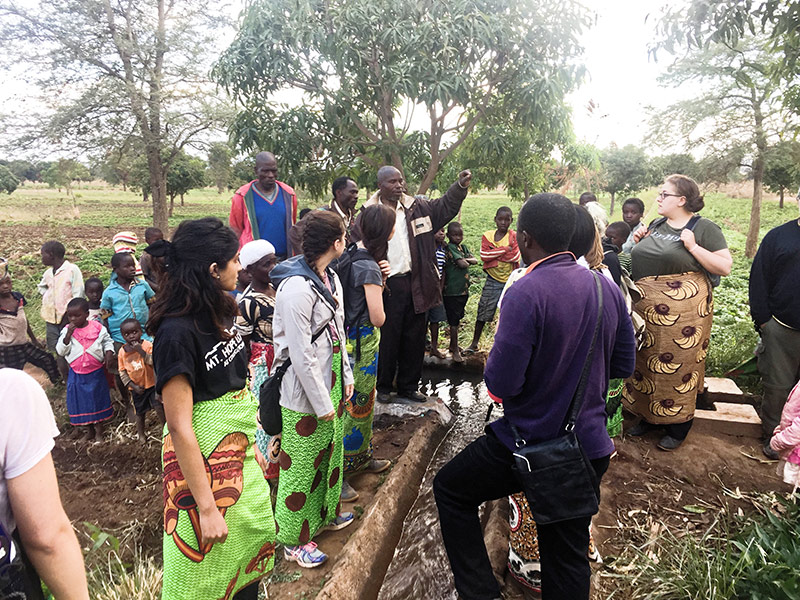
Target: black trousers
481,472
402,346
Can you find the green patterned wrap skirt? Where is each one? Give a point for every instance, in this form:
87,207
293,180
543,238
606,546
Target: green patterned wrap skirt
225,429
310,482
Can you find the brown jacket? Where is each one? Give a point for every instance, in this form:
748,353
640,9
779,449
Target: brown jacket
424,218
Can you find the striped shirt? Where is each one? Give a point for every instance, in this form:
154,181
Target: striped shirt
440,258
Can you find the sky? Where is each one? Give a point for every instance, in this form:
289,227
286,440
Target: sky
622,80
610,106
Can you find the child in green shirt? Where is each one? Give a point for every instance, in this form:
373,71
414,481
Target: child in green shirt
458,258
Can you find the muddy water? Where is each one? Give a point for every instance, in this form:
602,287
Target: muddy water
419,568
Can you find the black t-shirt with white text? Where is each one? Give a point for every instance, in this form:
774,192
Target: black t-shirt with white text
190,346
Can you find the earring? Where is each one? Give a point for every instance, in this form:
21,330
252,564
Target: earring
218,276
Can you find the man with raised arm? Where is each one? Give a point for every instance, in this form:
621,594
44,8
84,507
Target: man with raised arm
413,284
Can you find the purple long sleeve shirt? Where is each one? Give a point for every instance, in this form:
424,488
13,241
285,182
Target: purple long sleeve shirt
546,323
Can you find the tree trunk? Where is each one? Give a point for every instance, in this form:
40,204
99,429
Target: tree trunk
526,192
611,212
158,187
780,205
171,204
751,243
181,199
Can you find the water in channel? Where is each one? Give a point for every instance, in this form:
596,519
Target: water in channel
420,568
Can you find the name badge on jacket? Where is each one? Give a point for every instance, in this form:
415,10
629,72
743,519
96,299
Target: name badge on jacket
422,225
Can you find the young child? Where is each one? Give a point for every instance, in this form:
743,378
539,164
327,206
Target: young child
437,315
500,256
86,345
151,274
616,235
632,214
18,344
125,297
94,293
60,283
126,242
786,440
243,281
458,258
135,361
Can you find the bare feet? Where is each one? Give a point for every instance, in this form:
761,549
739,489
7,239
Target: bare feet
456,353
88,434
437,353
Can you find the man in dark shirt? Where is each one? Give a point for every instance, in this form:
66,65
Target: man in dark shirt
345,198
547,321
775,308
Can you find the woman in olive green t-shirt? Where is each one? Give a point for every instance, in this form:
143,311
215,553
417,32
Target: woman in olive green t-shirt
672,262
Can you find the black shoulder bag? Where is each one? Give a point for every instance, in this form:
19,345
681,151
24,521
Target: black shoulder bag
557,478
269,395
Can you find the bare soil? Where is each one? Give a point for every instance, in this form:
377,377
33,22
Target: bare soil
117,487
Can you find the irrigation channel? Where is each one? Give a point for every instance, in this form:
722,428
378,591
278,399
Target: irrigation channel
419,568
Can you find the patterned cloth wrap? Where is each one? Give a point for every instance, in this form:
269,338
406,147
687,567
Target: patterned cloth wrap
523,544
614,407
225,430
261,357
671,364
357,419
311,467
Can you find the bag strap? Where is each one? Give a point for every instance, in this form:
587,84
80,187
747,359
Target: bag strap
577,397
281,370
580,391
692,222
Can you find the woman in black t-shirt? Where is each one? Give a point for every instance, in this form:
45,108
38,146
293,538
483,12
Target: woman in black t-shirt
365,316
214,491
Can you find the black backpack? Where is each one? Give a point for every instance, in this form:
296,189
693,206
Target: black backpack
344,269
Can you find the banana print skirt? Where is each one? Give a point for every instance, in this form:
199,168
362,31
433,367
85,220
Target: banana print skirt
671,364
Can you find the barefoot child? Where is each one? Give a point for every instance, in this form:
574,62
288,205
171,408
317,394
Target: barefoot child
60,283
437,315
500,256
86,345
456,283
125,297
135,361
18,344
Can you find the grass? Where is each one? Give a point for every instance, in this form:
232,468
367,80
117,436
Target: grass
755,557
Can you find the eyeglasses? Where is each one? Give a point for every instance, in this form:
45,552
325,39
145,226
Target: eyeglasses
663,195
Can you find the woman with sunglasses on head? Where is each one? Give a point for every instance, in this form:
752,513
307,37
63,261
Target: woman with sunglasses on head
676,262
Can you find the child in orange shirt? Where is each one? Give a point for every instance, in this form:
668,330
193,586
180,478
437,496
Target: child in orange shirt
135,361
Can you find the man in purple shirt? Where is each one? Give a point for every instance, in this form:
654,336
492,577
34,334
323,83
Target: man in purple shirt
546,325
